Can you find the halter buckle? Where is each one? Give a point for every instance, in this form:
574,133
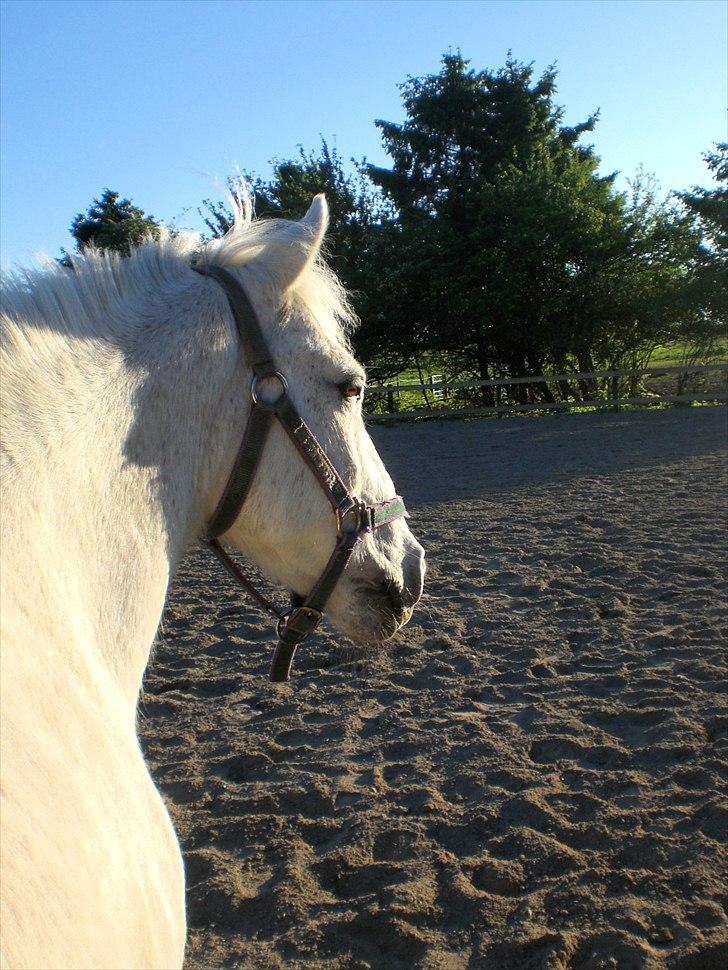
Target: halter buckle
264,377
298,623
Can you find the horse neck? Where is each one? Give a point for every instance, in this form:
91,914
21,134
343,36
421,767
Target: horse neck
127,457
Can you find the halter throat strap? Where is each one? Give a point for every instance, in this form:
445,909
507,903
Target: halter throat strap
353,517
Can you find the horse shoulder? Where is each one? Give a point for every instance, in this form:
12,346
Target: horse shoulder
78,799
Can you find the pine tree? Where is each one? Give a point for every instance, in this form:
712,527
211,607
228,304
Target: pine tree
710,281
514,255
113,223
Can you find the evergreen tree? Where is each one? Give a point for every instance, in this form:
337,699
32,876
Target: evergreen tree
711,205
514,255
493,242
709,290
112,223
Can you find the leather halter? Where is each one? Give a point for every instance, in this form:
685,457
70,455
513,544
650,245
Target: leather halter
354,518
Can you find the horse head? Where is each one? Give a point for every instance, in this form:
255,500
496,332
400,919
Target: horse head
286,525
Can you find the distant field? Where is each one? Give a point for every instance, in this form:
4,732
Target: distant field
673,355
668,355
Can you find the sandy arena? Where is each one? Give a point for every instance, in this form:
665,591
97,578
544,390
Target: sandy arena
531,777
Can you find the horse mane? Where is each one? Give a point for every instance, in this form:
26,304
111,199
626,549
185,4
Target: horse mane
102,291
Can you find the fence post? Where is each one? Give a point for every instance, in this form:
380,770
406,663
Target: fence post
615,393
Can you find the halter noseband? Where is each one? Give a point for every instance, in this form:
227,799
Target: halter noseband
354,518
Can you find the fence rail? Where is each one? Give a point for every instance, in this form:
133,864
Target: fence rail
612,399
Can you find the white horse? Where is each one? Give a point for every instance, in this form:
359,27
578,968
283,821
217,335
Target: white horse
124,394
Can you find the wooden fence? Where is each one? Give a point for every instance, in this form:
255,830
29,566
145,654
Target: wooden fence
611,398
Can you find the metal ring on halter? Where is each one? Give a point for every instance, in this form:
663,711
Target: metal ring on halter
357,508
264,377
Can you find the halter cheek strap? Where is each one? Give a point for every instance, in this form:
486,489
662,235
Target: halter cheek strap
354,518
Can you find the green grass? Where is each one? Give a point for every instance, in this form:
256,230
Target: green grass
668,355
673,355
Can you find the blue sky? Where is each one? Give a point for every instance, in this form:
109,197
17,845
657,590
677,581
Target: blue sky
163,100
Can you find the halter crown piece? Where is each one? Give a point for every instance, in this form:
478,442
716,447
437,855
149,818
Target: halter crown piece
354,518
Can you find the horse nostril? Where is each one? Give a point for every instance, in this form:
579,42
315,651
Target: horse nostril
394,594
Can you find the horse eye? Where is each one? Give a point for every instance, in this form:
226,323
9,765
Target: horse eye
351,389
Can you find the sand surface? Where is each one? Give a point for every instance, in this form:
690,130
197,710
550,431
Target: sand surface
532,776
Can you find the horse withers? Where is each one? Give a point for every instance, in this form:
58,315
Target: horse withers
125,392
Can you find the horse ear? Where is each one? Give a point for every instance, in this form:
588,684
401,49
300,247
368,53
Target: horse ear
294,249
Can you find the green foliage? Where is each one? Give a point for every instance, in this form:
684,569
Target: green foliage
288,194
492,248
359,242
112,223
707,294
711,205
354,243
512,253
